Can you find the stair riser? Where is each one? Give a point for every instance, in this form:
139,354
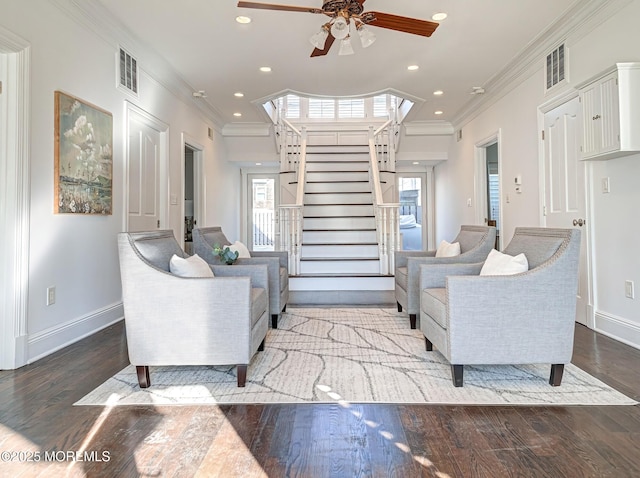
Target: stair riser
331,223
316,166
341,283
362,187
340,267
338,198
336,176
338,237
340,250
338,210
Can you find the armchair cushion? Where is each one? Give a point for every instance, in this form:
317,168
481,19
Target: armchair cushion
193,266
434,301
446,249
259,303
499,264
402,277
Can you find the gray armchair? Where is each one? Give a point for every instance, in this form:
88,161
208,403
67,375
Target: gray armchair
475,244
173,320
205,238
525,318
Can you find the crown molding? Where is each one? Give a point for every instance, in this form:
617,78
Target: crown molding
428,128
576,22
100,22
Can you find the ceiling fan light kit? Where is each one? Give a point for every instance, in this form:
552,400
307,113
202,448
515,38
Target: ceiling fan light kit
342,13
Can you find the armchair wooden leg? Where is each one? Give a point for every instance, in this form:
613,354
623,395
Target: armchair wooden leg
143,376
274,321
242,375
261,346
412,320
556,374
284,309
428,345
457,372
399,307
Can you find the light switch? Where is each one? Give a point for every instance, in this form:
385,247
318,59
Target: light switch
174,200
605,186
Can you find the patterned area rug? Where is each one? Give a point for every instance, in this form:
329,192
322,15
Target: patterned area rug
353,355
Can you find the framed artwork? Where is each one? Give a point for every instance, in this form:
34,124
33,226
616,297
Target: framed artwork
83,157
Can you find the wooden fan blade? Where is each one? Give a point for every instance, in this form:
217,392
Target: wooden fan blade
327,46
403,24
285,8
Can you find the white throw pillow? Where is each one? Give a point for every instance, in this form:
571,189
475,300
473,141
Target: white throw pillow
194,266
242,250
446,249
499,264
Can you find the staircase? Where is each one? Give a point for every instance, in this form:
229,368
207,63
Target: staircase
339,253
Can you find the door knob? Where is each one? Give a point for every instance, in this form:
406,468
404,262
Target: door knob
579,222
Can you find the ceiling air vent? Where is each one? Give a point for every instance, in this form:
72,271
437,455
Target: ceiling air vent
128,72
555,67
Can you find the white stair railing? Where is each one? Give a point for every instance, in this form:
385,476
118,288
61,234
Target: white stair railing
292,159
386,214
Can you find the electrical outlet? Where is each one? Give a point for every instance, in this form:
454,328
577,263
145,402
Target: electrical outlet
51,295
629,291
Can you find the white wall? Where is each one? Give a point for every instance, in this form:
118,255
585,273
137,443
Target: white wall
617,234
75,253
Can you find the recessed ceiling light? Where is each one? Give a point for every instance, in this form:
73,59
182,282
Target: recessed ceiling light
243,19
238,94
438,93
258,164
416,162
437,17
413,67
265,69
237,115
437,112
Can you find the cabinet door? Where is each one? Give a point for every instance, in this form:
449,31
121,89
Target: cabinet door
610,114
590,99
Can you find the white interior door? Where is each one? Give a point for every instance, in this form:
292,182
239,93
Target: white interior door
564,195
145,175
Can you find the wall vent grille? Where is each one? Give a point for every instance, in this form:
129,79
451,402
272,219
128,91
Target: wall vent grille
128,71
555,67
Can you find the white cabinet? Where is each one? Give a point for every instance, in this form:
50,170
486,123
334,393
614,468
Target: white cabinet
611,112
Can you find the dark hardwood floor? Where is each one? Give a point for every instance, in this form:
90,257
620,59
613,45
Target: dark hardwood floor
37,416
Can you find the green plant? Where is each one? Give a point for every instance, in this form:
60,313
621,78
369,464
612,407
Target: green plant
225,254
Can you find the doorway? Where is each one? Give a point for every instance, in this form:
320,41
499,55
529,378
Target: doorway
411,193
262,218
488,184
16,193
192,189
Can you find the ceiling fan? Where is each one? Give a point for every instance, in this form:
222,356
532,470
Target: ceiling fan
342,13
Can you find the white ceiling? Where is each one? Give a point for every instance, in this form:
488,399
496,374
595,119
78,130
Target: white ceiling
212,52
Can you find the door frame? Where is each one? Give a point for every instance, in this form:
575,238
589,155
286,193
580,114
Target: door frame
15,54
543,109
199,181
480,180
135,113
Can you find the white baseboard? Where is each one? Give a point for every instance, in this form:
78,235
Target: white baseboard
622,330
48,341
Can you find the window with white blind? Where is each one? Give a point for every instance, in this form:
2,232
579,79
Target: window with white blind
382,104
352,108
293,106
322,109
